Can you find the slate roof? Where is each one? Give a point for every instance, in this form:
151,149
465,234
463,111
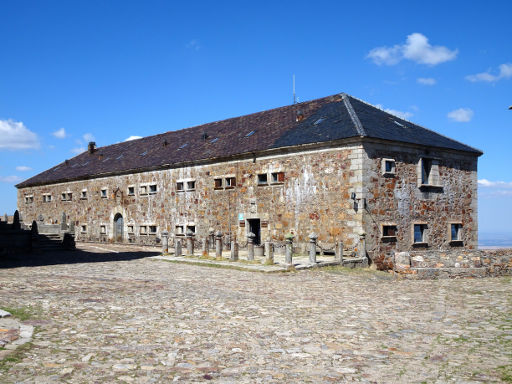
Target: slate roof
330,118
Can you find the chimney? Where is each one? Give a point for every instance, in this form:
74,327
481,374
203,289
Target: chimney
91,147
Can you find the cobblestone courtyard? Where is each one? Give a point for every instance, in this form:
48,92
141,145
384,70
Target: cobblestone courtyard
106,314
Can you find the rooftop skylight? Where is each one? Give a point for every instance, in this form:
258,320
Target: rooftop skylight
319,121
214,140
183,146
144,153
250,133
119,157
399,124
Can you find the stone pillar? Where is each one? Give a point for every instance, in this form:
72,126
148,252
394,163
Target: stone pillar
165,242
211,233
72,227
190,243
288,256
269,252
218,245
6,218
16,221
206,248
234,251
63,225
177,248
362,245
339,252
312,247
250,246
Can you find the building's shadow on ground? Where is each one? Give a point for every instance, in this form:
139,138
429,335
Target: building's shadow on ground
68,257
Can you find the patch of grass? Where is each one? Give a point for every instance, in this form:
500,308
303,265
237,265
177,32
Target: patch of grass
15,357
505,373
23,313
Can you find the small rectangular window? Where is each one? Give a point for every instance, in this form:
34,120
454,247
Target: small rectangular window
131,191
104,193
47,198
179,186
103,229
152,189
152,229
277,177
455,232
388,166
83,195
179,230
191,229
70,196
29,199
217,183
230,182
428,172
83,228
143,229
130,228
191,185
64,196
389,231
262,179
420,233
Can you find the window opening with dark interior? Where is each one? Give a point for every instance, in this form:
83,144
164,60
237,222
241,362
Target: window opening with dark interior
131,191
455,232
179,186
191,185
217,183
230,182
191,229
152,229
262,179
152,189
277,177
103,193
389,231
419,233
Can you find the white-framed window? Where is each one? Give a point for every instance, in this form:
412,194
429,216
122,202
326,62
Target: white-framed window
103,229
29,199
179,231
230,182
47,198
83,194
217,183
262,179
191,229
130,228
152,189
180,186
152,229
143,190
143,230
428,172
67,196
277,177
388,167
389,231
131,190
83,228
103,193
419,233
455,232
191,185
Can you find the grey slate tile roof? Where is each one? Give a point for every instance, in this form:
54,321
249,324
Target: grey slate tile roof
330,118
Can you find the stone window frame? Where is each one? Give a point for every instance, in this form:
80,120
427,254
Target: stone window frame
143,230
143,189
130,229
128,190
152,229
458,241
229,182
218,183
104,193
260,181
277,177
180,186
383,169
424,242
47,197
427,171
29,199
153,186
388,238
194,185
224,182
179,230
83,194
191,226
66,196
103,229
83,228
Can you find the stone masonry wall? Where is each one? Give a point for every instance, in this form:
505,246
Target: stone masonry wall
399,200
313,196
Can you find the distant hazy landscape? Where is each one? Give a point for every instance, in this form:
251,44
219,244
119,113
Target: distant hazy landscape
494,240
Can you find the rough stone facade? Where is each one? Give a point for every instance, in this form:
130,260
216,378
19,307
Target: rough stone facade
337,191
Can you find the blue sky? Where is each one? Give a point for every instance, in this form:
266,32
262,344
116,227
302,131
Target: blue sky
107,70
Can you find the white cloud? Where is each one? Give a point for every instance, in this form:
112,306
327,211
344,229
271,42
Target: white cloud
23,168
426,80
505,72
88,137
461,115
493,189
14,135
488,183
400,114
10,179
60,133
416,48
133,138
78,150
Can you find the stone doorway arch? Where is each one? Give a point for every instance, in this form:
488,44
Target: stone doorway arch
118,228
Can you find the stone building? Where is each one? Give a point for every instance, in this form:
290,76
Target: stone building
336,166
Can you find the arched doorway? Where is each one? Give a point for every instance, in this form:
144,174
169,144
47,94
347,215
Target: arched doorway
118,228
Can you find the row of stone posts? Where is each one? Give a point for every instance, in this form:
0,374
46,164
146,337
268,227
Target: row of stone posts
216,237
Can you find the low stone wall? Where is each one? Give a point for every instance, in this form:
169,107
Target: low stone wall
450,263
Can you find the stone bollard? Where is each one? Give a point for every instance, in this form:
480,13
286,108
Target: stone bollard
218,245
339,252
362,245
288,256
312,247
234,251
250,246
63,225
190,243
206,248
16,225
177,248
269,253
211,234
165,242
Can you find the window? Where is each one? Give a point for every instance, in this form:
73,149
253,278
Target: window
130,228
66,196
388,166
191,185
103,193
47,198
143,190
179,186
131,191
262,179
83,195
455,232
389,231
103,229
152,229
29,199
143,229
152,189
428,172
277,177
217,183
179,230
191,229
83,228
230,182
419,233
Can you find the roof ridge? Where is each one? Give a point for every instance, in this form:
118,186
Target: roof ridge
353,114
421,126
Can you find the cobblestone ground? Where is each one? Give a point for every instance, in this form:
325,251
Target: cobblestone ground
114,317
